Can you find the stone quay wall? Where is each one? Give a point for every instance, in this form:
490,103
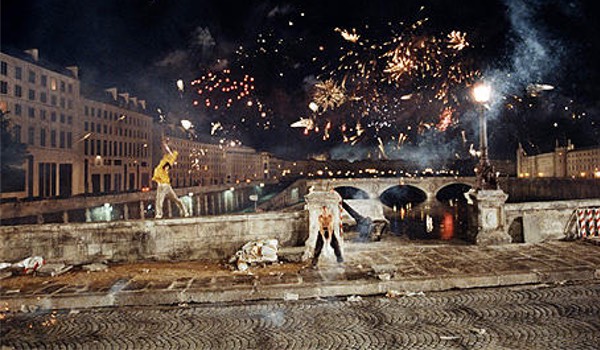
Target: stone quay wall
535,222
161,240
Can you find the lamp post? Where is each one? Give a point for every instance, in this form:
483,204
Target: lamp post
486,179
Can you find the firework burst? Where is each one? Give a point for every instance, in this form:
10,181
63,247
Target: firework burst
328,95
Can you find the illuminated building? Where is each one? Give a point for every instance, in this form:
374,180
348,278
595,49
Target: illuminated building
77,144
563,162
43,104
117,143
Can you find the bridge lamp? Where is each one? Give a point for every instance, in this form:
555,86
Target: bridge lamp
485,174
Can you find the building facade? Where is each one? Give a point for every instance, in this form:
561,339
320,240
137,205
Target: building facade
563,162
117,144
205,164
77,145
43,104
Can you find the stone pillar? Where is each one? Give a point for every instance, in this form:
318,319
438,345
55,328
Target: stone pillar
314,202
88,216
65,217
489,220
142,210
125,211
199,204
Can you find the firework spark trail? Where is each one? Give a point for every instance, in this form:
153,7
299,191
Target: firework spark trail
229,102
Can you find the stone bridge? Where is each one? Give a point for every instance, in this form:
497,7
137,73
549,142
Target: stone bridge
374,188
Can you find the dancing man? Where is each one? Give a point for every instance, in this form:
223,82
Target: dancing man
326,235
164,190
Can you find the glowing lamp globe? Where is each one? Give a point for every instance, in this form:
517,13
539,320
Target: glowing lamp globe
482,92
186,124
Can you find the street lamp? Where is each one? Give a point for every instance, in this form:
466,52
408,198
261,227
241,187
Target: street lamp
486,179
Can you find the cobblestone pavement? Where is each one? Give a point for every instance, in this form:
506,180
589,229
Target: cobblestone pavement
551,317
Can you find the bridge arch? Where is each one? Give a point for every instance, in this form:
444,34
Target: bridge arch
400,195
350,192
452,191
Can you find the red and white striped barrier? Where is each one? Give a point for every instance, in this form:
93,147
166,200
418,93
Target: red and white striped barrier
588,222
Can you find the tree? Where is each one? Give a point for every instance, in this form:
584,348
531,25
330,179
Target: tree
12,156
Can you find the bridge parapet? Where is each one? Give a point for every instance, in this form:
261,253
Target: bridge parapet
375,187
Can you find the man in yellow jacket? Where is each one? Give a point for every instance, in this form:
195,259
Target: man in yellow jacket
164,190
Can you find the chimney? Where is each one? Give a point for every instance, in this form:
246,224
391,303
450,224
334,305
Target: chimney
74,70
134,100
112,92
125,96
142,103
34,53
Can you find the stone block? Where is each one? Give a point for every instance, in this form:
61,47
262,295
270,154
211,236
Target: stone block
94,267
581,274
465,282
53,269
516,279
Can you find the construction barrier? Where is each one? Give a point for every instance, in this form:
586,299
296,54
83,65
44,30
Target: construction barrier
588,222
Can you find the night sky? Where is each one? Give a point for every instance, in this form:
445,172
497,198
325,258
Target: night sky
398,89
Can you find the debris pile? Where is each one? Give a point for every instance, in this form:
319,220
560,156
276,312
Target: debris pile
254,253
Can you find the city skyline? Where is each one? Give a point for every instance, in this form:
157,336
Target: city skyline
538,55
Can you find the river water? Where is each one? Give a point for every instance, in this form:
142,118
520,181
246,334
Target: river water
429,221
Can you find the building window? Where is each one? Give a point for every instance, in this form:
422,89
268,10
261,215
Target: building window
92,144
98,130
3,87
30,135
17,109
42,114
86,146
62,139
31,95
52,138
43,80
31,112
62,86
69,139
86,110
53,116
70,104
98,147
69,120
53,84
70,88
93,110
17,132
43,137
62,102
43,97
62,118
53,100
18,73
85,126
105,129
105,114
99,113
3,68
105,148
18,91
32,77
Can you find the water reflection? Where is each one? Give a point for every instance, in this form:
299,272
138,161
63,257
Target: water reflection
445,221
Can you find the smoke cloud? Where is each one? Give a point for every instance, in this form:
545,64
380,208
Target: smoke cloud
535,58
